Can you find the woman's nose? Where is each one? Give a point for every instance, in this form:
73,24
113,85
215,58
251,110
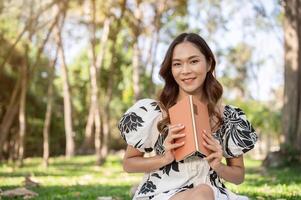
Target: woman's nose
186,68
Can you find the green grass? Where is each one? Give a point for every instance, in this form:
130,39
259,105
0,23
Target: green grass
79,178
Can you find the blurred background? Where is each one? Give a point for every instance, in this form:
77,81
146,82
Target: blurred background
69,69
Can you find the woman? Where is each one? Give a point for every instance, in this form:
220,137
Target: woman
187,69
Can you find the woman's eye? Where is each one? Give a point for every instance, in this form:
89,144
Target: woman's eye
194,61
176,64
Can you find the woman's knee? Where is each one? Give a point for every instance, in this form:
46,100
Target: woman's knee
204,191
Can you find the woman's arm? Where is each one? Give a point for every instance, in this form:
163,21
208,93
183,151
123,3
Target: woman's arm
234,171
134,161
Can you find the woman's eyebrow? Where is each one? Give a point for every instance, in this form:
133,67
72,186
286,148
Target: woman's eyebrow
190,57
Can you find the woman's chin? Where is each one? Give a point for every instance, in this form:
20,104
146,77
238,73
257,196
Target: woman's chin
191,92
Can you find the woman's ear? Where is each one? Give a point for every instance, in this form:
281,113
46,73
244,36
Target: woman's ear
208,65
208,68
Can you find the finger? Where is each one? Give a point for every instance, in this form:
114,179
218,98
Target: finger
176,145
211,147
210,139
213,156
209,135
175,128
174,136
171,126
173,133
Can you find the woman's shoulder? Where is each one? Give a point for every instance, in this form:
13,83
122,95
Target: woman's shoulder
230,110
145,101
146,104
138,125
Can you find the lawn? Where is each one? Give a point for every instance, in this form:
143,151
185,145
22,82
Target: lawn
79,178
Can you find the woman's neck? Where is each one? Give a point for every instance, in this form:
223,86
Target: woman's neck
198,96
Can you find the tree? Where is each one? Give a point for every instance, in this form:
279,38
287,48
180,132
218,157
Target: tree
48,112
70,144
290,150
291,121
95,75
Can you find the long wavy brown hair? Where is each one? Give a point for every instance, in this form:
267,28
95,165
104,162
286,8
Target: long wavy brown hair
212,89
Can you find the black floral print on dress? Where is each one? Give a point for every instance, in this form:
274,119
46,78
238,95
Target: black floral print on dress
159,148
186,187
173,165
148,150
156,105
237,130
156,175
215,181
129,122
147,187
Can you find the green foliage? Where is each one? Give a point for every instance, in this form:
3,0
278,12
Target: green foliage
289,155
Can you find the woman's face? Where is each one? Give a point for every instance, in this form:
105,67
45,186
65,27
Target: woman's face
189,68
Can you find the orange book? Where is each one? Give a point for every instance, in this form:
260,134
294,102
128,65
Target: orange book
193,114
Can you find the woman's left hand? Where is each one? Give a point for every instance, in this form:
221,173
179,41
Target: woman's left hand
214,159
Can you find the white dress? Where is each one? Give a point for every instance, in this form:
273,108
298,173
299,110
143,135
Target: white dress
138,127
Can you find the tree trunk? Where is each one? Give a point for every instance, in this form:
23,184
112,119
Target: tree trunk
290,151
136,70
94,121
87,145
9,116
152,61
48,114
159,8
106,132
105,116
104,40
94,85
70,145
22,113
136,57
13,146
291,120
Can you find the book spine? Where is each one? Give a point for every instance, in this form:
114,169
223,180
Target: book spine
193,123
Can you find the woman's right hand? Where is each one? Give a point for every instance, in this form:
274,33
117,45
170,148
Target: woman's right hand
169,144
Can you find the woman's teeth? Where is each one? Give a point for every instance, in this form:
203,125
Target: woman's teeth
188,80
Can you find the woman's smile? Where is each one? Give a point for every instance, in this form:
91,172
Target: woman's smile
188,80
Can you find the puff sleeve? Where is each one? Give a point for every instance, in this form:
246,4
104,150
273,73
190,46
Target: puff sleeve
237,134
138,125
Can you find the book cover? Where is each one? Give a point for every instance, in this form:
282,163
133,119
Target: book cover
193,114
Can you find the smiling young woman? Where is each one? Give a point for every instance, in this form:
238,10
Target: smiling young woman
188,69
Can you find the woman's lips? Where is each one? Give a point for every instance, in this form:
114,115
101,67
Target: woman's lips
188,80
